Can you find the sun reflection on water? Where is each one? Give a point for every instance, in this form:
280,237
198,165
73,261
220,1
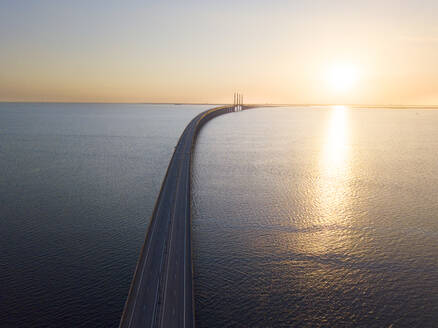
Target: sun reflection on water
334,168
333,161
327,228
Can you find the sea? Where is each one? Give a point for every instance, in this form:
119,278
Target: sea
301,216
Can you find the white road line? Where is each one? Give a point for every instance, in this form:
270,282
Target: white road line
158,288
187,139
185,255
169,255
144,263
164,248
149,247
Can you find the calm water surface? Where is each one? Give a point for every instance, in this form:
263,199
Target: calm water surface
77,186
311,217
317,217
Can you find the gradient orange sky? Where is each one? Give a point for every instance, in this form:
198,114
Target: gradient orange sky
203,51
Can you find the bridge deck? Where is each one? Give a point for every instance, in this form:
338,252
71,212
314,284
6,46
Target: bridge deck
161,293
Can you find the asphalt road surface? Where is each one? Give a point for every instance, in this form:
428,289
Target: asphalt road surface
161,293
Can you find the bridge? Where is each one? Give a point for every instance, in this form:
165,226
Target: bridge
161,292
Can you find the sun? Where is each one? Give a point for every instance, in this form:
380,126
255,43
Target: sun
342,77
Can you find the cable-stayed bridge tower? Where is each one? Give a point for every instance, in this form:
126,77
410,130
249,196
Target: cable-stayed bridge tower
238,102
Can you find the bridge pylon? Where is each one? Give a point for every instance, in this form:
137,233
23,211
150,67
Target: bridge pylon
237,102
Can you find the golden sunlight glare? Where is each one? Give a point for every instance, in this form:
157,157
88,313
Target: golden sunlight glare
342,77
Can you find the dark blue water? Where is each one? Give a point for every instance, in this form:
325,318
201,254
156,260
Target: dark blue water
303,217
77,186
317,217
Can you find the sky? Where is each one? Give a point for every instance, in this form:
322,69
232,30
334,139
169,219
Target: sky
296,52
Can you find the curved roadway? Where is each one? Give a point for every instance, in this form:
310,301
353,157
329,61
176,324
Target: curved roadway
161,292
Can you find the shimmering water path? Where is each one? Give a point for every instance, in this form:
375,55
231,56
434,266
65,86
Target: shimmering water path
317,217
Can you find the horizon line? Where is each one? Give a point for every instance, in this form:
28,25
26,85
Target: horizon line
213,103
